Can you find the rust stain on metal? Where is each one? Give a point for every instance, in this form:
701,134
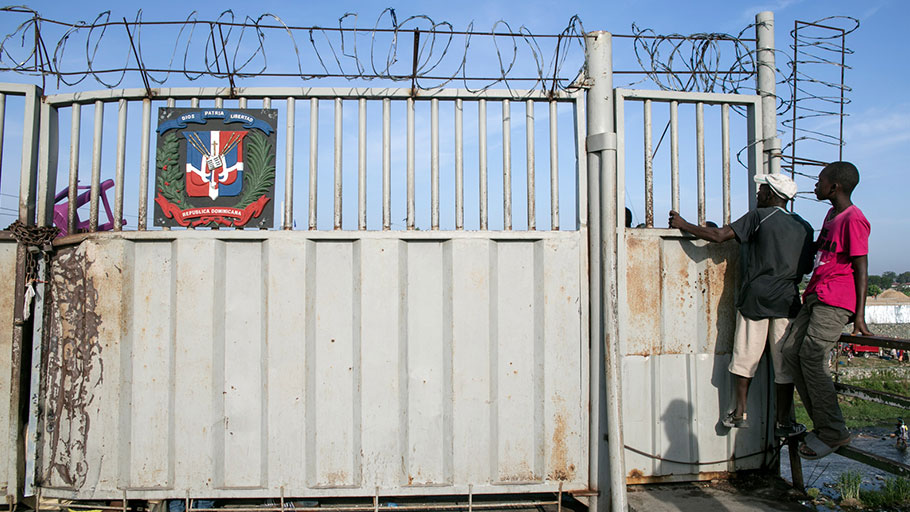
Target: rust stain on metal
561,468
336,478
635,477
522,473
73,363
635,474
643,295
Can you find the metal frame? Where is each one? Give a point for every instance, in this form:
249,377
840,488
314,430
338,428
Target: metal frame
337,95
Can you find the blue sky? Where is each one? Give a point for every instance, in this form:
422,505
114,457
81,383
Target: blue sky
877,130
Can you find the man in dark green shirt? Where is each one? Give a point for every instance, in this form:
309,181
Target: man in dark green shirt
777,250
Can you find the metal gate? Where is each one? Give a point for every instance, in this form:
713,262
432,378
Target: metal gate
341,361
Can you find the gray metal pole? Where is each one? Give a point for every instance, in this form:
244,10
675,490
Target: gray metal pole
606,390
764,34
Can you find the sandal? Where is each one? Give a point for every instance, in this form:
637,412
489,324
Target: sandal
731,421
813,448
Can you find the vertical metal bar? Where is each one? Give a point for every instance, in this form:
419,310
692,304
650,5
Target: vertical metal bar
48,147
795,102
482,157
171,102
725,158
649,168
605,374
288,213
529,124
314,158
756,147
410,168
96,167
338,148
120,164
459,164
362,164
434,164
796,464
194,102
674,154
554,168
386,164
219,102
144,163
2,122
506,166
28,172
700,159
241,103
74,169
843,67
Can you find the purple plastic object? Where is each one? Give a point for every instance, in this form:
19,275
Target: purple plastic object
62,209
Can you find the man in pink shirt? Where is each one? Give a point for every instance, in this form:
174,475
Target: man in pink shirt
836,294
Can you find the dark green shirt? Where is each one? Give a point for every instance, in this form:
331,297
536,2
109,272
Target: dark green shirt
776,252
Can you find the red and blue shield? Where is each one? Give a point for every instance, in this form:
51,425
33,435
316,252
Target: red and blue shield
214,163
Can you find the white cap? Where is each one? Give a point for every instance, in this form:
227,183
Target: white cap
781,185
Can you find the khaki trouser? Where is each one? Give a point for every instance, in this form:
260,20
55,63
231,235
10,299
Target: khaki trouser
814,332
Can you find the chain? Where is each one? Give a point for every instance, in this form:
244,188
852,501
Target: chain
37,242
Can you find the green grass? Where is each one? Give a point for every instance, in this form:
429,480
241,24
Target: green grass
848,485
895,492
862,413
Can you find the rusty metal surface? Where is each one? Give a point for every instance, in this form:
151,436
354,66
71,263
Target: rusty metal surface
223,365
677,310
10,360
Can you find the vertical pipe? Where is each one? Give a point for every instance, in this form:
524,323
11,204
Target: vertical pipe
219,102
241,103
506,166
649,168
288,213
338,149
529,125
725,158
96,167
314,160
482,157
386,164
144,164
766,82
74,169
605,371
362,164
119,165
459,164
410,169
674,155
554,169
171,103
194,102
434,163
700,159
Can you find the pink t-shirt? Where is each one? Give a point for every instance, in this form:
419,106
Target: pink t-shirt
842,237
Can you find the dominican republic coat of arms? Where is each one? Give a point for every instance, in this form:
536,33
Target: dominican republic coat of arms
215,167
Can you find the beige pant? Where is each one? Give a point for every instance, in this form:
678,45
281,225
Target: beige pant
749,344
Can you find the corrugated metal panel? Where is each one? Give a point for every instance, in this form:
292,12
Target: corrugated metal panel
9,452
327,364
675,380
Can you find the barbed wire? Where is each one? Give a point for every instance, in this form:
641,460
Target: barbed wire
427,53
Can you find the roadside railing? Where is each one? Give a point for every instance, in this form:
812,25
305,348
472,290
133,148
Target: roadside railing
872,395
